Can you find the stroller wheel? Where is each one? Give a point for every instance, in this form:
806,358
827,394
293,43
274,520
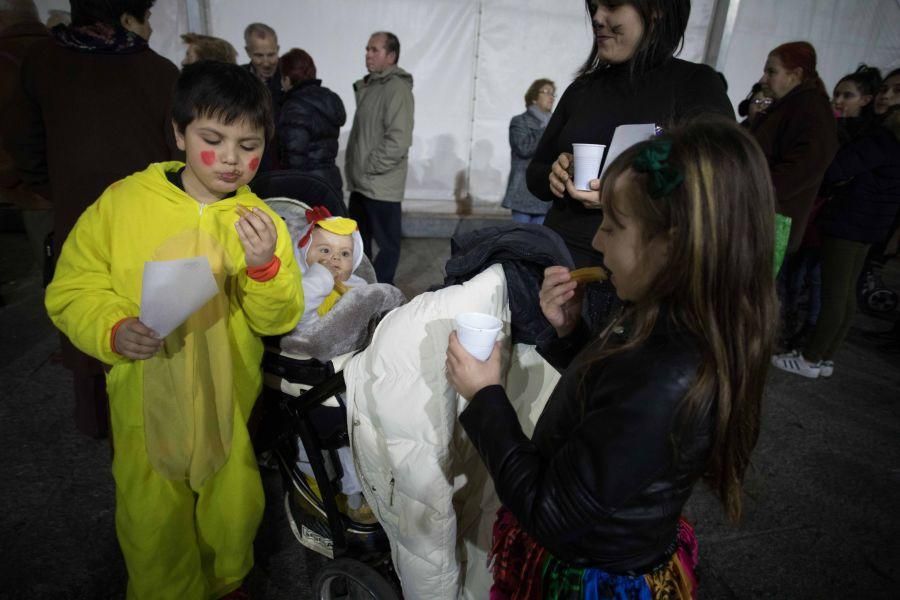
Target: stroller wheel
882,300
348,579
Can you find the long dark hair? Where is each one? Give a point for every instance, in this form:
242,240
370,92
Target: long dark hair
664,24
718,286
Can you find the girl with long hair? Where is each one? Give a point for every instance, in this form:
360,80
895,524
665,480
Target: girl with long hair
853,101
668,394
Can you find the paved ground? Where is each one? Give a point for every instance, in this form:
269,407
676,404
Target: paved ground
822,517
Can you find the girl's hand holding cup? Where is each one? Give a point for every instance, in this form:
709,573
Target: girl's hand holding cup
467,374
257,234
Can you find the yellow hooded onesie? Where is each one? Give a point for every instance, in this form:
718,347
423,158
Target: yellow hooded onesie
188,494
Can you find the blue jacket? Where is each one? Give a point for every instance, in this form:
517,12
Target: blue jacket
525,132
865,181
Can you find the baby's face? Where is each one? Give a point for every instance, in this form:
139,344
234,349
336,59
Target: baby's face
332,251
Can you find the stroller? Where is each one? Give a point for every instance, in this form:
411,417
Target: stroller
302,400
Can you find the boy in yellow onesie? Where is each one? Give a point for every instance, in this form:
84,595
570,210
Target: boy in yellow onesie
188,494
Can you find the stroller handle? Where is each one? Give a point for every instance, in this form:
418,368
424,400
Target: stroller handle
316,395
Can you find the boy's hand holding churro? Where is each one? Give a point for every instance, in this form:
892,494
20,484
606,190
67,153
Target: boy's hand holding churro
257,234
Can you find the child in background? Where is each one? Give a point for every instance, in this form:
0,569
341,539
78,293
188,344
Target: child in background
668,394
188,494
329,251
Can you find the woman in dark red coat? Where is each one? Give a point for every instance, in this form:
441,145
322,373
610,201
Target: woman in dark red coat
797,133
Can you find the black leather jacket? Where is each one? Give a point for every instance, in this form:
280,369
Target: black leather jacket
600,483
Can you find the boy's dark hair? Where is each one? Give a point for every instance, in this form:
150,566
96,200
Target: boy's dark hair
221,91
89,12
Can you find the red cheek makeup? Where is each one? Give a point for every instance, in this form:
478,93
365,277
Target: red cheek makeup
254,163
208,157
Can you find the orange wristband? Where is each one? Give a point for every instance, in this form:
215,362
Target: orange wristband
266,271
112,335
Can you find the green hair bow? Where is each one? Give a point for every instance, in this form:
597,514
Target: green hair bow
663,178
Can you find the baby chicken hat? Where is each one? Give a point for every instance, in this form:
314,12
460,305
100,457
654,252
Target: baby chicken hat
319,216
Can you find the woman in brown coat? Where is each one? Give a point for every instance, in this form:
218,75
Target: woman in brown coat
797,133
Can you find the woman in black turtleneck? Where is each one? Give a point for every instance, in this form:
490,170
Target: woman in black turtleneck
630,77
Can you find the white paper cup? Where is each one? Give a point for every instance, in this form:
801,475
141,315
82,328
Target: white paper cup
588,158
477,333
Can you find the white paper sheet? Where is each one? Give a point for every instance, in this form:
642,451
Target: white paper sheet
624,137
173,290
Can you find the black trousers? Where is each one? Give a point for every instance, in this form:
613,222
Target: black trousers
380,221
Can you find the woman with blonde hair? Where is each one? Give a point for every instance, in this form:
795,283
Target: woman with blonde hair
207,47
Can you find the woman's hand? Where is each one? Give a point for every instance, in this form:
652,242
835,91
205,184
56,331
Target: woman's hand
468,375
258,236
561,173
136,341
589,199
561,300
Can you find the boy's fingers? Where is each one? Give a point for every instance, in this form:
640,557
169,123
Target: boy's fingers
142,329
259,221
249,238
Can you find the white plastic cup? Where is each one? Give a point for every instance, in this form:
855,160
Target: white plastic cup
588,158
477,333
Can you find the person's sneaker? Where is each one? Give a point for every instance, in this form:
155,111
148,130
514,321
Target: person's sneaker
793,362
826,368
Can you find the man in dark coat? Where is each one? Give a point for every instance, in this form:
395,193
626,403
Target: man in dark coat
94,106
19,29
262,49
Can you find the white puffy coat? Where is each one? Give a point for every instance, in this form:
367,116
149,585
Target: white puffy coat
421,475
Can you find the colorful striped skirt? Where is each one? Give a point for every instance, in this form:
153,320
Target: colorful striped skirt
523,570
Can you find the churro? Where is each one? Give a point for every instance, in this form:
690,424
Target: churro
588,274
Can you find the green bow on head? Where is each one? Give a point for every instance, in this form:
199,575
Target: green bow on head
663,178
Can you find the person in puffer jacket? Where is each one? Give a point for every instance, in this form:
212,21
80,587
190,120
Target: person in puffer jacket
310,120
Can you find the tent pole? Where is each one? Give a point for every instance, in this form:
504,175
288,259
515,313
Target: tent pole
198,16
720,31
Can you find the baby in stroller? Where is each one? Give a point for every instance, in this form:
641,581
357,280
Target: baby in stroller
329,251
342,304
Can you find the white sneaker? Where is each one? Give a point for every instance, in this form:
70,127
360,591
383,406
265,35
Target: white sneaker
826,368
793,362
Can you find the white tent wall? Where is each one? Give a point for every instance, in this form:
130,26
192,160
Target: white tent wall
472,61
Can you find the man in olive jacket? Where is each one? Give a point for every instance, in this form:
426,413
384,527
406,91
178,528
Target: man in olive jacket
377,151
